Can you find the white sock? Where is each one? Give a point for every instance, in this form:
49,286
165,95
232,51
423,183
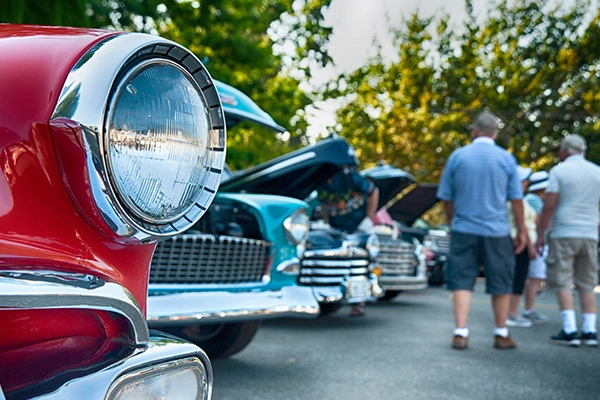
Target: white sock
568,321
501,332
589,323
464,332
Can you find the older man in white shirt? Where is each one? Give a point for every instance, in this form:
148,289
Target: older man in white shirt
571,211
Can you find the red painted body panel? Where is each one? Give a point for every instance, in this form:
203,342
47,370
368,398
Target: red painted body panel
40,344
40,226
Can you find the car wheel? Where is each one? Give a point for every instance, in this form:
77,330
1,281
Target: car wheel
218,340
390,294
329,308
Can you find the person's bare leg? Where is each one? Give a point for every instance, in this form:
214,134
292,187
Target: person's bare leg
513,305
532,287
565,300
461,303
588,302
500,306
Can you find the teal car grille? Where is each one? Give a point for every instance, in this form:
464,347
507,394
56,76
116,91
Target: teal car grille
210,259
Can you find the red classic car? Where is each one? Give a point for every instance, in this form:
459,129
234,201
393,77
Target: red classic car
108,142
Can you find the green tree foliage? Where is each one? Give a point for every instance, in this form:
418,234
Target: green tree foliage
535,66
65,12
236,39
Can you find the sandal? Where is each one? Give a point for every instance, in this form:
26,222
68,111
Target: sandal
358,310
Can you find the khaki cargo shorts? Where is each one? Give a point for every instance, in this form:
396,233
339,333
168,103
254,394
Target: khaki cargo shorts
572,261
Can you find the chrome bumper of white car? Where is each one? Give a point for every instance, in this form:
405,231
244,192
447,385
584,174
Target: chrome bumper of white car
344,293
171,309
403,282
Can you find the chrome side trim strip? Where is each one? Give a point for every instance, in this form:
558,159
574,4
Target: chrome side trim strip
22,289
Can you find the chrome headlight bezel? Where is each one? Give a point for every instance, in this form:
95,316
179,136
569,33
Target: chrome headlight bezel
153,378
297,226
88,98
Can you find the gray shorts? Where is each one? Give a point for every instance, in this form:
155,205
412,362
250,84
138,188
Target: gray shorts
470,252
572,261
537,266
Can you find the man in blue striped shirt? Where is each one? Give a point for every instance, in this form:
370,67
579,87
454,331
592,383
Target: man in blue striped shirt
477,181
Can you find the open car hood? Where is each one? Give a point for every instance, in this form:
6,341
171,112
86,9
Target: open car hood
414,203
238,107
390,181
295,174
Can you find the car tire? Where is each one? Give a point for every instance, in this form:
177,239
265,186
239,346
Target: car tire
329,308
218,340
390,294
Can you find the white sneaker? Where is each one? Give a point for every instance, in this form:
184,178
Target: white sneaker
535,317
518,321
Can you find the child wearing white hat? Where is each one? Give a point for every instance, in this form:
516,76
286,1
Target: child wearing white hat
538,182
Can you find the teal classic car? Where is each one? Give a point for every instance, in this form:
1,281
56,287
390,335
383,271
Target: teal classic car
239,265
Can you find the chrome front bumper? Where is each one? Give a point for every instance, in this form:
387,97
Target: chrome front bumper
171,309
152,352
336,294
404,282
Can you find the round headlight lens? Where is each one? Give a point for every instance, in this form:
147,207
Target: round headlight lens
157,134
297,226
373,246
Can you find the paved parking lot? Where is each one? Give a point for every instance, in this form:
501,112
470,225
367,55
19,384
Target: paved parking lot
401,350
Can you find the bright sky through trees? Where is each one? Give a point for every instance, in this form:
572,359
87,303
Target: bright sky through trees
357,23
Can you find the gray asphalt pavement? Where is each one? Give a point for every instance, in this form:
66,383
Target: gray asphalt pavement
401,350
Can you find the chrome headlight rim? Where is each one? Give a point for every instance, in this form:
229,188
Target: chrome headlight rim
86,99
126,203
297,220
145,374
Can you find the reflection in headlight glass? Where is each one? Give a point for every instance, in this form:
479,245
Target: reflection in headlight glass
297,226
182,383
157,142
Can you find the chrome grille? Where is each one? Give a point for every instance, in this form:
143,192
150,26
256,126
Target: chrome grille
209,259
442,242
330,267
397,258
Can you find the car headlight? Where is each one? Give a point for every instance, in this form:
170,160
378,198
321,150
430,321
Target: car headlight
180,379
152,126
373,246
156,141
297,226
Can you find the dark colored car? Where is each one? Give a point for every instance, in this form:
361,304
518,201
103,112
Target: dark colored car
339,267
108,142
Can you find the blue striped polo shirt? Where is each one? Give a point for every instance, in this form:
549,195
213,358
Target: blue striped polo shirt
479,179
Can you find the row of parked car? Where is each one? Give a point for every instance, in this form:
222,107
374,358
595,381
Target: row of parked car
130,254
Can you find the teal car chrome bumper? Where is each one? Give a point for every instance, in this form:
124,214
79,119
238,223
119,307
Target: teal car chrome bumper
170,309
